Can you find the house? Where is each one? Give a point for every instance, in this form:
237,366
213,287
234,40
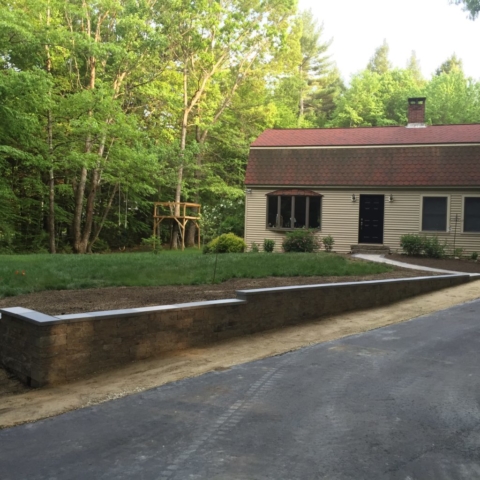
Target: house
367,186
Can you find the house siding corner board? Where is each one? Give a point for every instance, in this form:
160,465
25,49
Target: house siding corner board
340,217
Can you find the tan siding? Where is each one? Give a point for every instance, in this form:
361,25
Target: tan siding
340,218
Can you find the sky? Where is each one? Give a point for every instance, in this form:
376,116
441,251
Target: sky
434,29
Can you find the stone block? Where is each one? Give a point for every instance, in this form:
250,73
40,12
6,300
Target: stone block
51,340
79,330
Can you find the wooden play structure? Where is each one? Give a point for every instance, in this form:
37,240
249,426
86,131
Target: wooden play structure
185,212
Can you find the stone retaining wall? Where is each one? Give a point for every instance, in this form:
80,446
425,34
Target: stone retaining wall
41,349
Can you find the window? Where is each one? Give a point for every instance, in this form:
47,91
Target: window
471,214
294,209
434,214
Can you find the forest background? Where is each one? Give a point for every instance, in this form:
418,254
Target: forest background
108,106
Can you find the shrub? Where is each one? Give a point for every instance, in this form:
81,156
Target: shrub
474,255
226,243
100,246
412,244
254,248
301,241
153,243
418,244
458,252
433,248
328,242
268,245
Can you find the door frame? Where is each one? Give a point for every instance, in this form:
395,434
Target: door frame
360,217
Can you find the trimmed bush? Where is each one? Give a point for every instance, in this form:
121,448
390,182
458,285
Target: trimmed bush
474,255
226,243
412,244
328,242
301,241
268,245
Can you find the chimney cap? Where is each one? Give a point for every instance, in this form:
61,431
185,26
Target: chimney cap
416,100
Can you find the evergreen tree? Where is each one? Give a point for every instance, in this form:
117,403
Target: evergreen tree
452,64
380,63
471,6
413,66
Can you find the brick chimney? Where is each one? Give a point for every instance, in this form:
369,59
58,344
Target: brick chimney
416,112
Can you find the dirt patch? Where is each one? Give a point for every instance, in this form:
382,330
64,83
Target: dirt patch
59,302
464,265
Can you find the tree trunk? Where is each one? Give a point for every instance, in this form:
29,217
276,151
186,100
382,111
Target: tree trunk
51,212
104,217
79,190
190,234
51,176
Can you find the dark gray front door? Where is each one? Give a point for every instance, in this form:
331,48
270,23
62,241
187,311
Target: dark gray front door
370,228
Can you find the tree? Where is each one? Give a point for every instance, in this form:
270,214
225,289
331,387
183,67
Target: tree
94,54
452,98
413,66
452,64
380,63
229,36
471,6
314,60
376,100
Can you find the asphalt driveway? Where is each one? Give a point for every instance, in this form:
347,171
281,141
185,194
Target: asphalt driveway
401,402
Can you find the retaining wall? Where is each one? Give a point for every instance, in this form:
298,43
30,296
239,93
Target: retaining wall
42,349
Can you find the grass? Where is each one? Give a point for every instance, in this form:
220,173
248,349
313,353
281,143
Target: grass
33,273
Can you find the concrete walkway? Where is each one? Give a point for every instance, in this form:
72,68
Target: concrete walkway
383,259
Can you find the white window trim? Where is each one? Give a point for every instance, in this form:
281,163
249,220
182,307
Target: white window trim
476,195
443,195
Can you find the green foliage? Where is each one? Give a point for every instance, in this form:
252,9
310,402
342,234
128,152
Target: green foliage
375,99
100,246
153,243
433,248
301,241
452,64
63,272
458,252
380,63
268,245
420,244
108,142
452,98
227,216
328,243
226,243
254,248
471,6
474,256
412,244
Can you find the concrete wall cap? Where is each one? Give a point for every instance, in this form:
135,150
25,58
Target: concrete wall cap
28,315
244,293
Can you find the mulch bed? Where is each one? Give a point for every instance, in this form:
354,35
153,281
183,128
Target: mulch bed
461,265
58,302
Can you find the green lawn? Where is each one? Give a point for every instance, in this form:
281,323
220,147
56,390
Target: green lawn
32,273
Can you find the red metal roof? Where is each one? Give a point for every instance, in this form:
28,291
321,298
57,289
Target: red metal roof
427,166
436,134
